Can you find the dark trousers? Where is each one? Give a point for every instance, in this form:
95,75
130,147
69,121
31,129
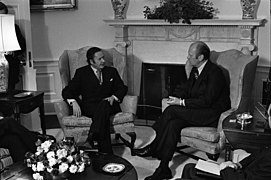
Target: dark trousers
168,129
189,172
16,138
100,127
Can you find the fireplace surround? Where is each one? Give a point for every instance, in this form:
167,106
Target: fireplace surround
159,42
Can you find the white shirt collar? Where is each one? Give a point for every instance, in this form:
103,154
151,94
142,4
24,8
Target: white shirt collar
94,69
201,67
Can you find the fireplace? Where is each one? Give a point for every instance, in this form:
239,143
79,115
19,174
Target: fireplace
157,81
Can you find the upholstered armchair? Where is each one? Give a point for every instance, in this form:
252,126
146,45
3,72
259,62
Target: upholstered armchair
121,123
239,70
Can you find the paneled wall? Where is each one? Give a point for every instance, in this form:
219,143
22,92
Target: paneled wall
48,80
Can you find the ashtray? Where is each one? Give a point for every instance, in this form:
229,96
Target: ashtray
22,95
113,168
243,119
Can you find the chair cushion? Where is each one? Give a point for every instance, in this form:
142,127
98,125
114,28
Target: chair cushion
205,146
82,121
209,134
80,134
122,117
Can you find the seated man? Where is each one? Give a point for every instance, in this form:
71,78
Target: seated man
17,139
102,90
199,102
256,166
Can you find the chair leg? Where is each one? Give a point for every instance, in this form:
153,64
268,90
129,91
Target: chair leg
129,144
117,136
133,139
213,157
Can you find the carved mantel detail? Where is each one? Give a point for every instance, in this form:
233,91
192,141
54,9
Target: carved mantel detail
157,41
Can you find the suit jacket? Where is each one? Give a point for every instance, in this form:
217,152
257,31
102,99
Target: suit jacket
86,85
208,97
257,166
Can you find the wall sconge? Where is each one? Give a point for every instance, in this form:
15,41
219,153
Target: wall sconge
8,42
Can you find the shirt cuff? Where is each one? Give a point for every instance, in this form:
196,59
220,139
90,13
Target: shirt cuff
116,99
70,101
182,102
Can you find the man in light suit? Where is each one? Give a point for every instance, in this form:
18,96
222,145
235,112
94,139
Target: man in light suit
102,90
199,102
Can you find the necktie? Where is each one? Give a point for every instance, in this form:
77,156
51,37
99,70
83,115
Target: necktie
99,75
194,74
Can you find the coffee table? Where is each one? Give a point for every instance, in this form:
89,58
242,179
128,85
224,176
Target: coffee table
93,172
253,137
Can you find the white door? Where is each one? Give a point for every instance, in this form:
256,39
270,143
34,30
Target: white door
21,10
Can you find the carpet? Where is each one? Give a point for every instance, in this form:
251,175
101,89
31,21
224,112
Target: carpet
146,166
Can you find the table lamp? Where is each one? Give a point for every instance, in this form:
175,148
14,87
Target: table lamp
8,42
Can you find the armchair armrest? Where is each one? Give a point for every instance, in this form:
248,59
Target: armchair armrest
129,104
164,104
223,116
62,109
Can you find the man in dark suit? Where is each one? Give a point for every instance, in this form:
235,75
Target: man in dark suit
254,167
199,102
101,90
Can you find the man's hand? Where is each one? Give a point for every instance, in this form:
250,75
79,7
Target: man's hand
110,99
76,109
173,100
226,164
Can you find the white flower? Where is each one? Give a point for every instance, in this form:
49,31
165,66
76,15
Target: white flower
37,176
46,145
49,169
61,153
39,150
70,158
63,167
73,168
50,154
52,161
28,163
81,167
40,166
34,167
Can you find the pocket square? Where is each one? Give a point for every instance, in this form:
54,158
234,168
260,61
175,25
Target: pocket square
111,79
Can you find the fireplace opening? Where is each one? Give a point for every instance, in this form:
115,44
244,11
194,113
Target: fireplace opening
157,82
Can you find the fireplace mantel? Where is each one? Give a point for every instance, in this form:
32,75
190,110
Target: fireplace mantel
157,41
202,22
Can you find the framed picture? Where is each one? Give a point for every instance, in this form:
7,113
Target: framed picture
43,5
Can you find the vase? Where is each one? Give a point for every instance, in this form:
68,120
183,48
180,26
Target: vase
120,8
249,8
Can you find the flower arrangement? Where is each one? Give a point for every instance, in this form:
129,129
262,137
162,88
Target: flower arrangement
54,159
174,10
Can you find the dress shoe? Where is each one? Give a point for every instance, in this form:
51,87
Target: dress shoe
160,174
143,152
